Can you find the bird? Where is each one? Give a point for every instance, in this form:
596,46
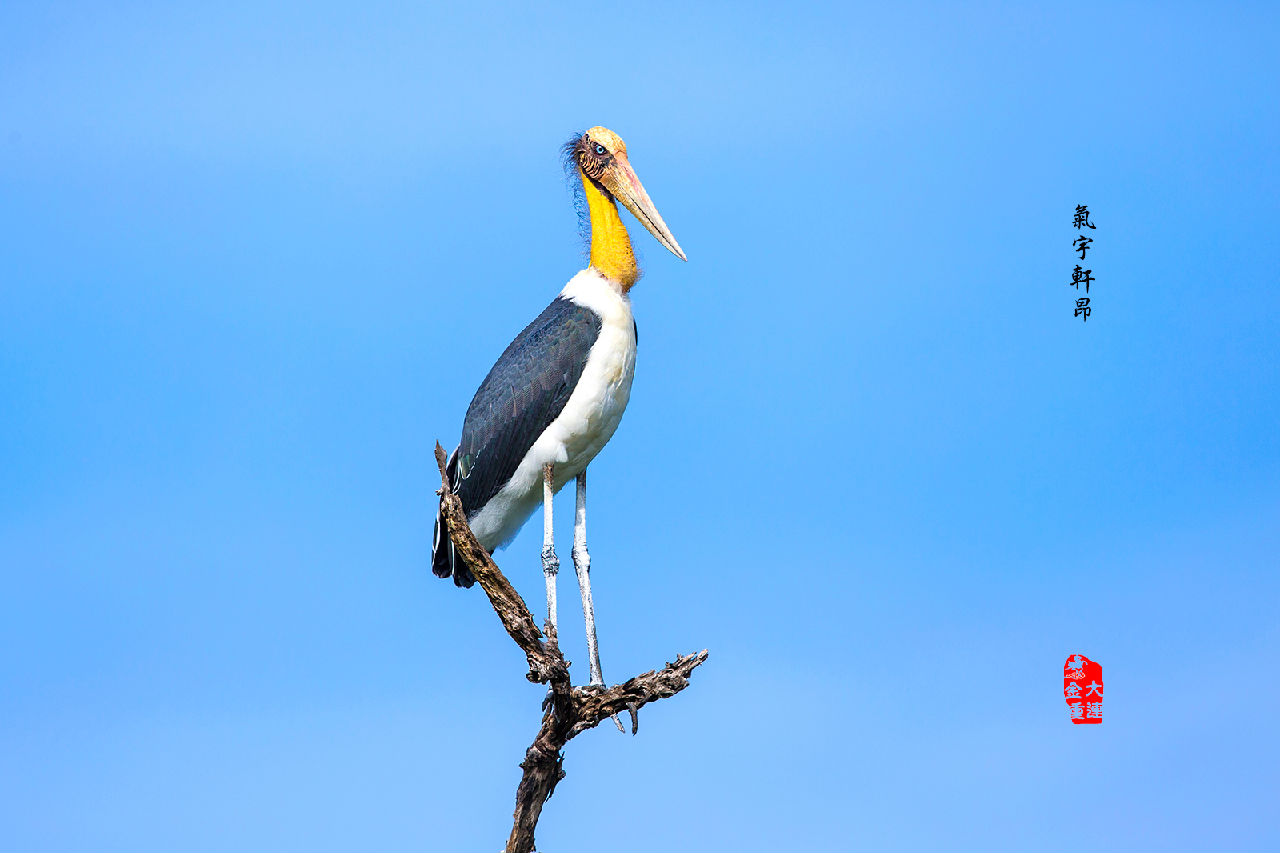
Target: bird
557,393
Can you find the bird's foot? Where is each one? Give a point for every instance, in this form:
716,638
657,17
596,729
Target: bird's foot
600,687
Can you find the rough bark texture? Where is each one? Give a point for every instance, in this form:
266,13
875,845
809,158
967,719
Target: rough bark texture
568,710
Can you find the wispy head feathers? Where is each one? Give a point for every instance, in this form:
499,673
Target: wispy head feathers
569,154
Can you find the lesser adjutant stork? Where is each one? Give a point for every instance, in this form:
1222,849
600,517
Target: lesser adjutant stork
557,393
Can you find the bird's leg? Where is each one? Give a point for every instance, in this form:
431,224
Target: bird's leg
550,562
582,564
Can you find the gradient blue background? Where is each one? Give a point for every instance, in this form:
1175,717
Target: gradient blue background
255,259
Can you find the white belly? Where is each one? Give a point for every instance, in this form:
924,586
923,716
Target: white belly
587,422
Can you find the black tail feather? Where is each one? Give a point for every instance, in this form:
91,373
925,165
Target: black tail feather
444,557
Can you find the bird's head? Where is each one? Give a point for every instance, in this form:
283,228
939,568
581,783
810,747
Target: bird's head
602,156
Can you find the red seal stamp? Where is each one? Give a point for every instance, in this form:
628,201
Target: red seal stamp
1082,688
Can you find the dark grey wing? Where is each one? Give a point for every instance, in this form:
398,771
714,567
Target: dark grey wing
523,393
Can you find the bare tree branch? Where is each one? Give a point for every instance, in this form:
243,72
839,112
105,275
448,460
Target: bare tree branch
569,710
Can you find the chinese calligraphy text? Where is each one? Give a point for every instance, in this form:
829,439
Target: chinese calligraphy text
1079,275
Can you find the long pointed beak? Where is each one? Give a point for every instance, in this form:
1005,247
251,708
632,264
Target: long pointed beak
621,180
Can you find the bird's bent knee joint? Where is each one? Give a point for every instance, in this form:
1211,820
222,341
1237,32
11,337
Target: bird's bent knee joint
550,562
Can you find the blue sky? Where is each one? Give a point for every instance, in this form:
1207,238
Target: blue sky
256,258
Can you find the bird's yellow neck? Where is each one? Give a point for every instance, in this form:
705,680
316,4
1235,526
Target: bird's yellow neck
611,253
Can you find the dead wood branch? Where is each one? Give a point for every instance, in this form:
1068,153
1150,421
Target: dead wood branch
569,710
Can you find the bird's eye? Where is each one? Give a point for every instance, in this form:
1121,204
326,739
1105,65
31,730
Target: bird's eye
600,150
